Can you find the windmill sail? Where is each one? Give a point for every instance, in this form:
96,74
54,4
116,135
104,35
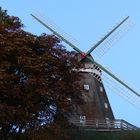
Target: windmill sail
118,89
109,42
106,36
53,28
79,51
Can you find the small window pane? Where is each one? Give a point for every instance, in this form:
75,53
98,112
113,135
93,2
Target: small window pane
106,105
101,89
86,87
82,119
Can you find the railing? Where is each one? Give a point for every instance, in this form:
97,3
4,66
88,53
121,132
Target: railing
114,125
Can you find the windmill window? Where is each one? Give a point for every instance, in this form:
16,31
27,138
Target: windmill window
101,89
82,119
107,119
106,105
69,99
86,87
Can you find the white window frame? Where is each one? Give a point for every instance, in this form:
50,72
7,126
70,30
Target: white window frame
101,89
106,105
86,87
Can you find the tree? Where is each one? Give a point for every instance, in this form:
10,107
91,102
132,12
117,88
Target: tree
37,79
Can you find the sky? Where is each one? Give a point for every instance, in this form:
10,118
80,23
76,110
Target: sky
87,22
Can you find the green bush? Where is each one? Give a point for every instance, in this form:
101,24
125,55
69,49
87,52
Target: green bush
94,135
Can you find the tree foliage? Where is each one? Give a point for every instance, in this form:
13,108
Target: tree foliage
38,83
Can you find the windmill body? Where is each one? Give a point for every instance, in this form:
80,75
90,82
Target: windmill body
96,105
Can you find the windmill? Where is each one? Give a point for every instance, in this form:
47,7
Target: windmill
97,105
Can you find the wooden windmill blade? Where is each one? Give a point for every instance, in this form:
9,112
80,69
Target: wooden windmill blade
106,36
109,39
121,91
56,33
115,77
112,40
86,55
